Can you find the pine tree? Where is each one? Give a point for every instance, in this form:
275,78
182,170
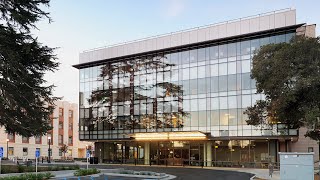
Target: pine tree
25,102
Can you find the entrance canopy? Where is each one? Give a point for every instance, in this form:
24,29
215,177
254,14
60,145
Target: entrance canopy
189,135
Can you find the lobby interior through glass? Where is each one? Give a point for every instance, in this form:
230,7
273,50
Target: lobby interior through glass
193,153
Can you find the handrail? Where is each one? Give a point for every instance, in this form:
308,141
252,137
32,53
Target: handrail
189,29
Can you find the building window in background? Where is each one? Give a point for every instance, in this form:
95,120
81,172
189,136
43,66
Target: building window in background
11,151
25,151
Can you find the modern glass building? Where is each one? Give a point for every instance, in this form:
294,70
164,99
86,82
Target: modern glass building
178,99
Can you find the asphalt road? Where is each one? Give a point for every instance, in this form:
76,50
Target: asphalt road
185,173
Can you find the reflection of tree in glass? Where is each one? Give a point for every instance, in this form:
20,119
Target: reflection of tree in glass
124,86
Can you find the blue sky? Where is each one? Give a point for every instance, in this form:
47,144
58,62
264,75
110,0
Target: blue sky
85,24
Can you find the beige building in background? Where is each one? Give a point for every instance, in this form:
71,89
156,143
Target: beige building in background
65,131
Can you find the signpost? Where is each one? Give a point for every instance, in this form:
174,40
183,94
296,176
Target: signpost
1,155
88,156
37,156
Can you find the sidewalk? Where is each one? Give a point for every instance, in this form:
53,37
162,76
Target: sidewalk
259,173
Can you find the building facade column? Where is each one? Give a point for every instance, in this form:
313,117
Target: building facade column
147,153
209,153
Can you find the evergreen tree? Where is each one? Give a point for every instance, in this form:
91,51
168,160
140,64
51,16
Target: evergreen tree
289,76
25,102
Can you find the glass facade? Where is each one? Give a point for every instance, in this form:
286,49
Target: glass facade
201,88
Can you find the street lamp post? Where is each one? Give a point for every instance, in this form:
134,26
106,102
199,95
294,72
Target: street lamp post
87,157
7,148
49,151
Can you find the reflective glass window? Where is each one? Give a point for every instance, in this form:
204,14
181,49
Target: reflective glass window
175,58
185,58
245,47
281,38
201,71
255,45
232,68
202,54
194,119
264,41
186,87
232,82
214,53
224,117
193,55
223,51
289,36
193,72
232,49
193,86
233,120
223,83
246,80
223,69
202,86
185,74
215,84
202,104
246,101
246,66
202,118
215,117
223,101
232,102
214,70
214,103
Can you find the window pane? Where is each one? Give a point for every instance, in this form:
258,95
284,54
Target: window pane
214,103
185,74
245,66
223,51
232,102
255,44
193,56
194,119
201,71
245,47
215,117
232,68
202,54
202,118
223,69
202,86
193,86
214,54
223,102
233,120
202,104
246,101
232,49
232,82
185,59
246,79
214,70
193,73
223,83
224,117
215,84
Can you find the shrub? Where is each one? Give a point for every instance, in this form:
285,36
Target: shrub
40,176
85,172
21,168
